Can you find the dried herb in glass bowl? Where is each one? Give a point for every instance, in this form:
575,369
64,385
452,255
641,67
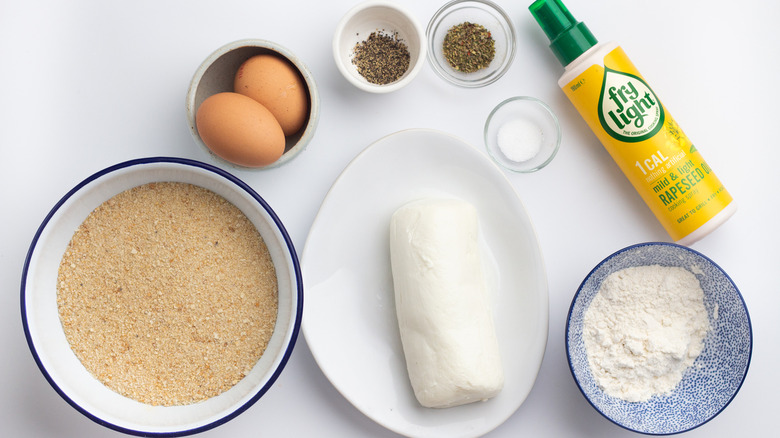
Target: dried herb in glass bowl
469,47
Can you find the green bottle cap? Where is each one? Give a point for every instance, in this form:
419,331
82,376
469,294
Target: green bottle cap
568,37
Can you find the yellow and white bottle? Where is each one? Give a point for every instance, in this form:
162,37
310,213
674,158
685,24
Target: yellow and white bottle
636,129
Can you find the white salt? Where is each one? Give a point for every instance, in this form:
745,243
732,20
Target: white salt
519,139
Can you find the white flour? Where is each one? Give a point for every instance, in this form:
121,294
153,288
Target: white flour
643,329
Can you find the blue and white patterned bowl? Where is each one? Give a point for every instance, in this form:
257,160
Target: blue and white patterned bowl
714,379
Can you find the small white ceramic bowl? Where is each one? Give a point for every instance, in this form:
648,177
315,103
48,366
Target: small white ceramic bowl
216,74
386,17
713,380
537,114
485,13
52,352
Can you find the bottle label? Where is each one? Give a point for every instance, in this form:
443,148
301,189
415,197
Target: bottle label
662,164
629,111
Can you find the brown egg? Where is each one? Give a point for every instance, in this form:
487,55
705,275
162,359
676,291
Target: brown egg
276,83
240,130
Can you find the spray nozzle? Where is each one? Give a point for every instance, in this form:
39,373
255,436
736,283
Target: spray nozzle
568,37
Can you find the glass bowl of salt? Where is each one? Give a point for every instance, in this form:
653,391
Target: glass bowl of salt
522,134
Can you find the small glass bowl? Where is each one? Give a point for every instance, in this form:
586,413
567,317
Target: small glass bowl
483,12
532,110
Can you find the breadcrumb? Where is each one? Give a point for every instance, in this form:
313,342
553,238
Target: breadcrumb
167,294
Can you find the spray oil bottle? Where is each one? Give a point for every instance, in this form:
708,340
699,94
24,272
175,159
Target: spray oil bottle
636,129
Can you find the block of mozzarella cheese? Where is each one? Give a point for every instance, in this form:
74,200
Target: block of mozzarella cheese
442,303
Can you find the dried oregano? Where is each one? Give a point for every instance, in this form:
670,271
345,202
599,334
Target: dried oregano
469,47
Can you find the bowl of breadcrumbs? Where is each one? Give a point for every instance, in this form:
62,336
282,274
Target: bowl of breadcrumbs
161,296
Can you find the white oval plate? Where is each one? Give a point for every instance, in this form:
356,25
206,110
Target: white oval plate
349,317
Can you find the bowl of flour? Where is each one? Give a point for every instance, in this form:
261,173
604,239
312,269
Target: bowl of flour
658,338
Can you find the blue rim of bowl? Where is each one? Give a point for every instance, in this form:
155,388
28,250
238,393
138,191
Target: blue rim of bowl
650,244
298,278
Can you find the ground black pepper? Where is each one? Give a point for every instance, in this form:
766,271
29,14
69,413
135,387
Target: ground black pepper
382,58
469,47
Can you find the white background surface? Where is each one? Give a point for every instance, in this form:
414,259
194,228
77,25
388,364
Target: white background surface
87,84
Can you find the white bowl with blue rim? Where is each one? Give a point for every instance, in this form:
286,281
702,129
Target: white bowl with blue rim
710,384
52,352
